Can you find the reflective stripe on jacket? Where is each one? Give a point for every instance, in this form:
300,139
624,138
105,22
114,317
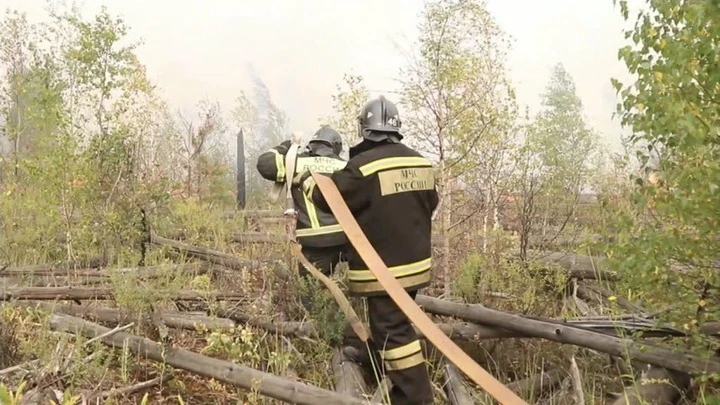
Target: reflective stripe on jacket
390,189
315,227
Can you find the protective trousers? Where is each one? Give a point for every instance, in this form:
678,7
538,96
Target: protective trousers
324,259
398,345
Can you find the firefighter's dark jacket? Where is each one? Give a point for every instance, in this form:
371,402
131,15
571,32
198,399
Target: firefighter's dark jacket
390,189
315,227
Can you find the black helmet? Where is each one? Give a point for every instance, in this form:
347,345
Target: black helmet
379,119
328,136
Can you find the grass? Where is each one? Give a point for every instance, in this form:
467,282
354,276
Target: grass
25,335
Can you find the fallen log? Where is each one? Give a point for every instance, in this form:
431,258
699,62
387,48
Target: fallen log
587,288
99,293
347,376
685,362
258,237
271,221
578,266
91,263
533,386
183,320
229,318
253,214
299,329
266,384
455,330
219,258
176,320
656,386
142,272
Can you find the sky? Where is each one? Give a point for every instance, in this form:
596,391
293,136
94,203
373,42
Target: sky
195,49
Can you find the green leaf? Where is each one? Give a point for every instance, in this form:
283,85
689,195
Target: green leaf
5,395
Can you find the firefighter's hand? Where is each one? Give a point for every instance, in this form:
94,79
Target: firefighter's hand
300,177
284,147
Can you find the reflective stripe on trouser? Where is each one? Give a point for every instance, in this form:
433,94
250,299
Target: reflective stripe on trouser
320,230
411,275
395,338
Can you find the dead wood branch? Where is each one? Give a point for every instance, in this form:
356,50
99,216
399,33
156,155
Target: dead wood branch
253,214
60,360
557,332
586,289
258,237
133,389
92,263
228,318
180,320
561,395
227,372
97,293
455,330
299,329
177,320
457,391
533,386
577,385
578,266
348,376
141,272
656,386
382,392
219,258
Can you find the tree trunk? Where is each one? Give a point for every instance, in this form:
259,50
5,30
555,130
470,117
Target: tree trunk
579,266
457,392
486,213
348,376
241,192
225,318
444,226
140,272
258,237
557,332
216,257
98,293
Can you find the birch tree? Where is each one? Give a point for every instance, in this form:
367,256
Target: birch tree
350,97
456,97
555,162
668,242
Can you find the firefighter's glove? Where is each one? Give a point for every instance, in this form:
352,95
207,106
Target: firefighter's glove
300,177
305,181
284,147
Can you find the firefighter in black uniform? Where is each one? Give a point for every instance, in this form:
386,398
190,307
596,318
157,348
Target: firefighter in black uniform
322,239
390,189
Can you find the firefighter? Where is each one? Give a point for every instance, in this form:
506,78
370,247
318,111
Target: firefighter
321,238
390,189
